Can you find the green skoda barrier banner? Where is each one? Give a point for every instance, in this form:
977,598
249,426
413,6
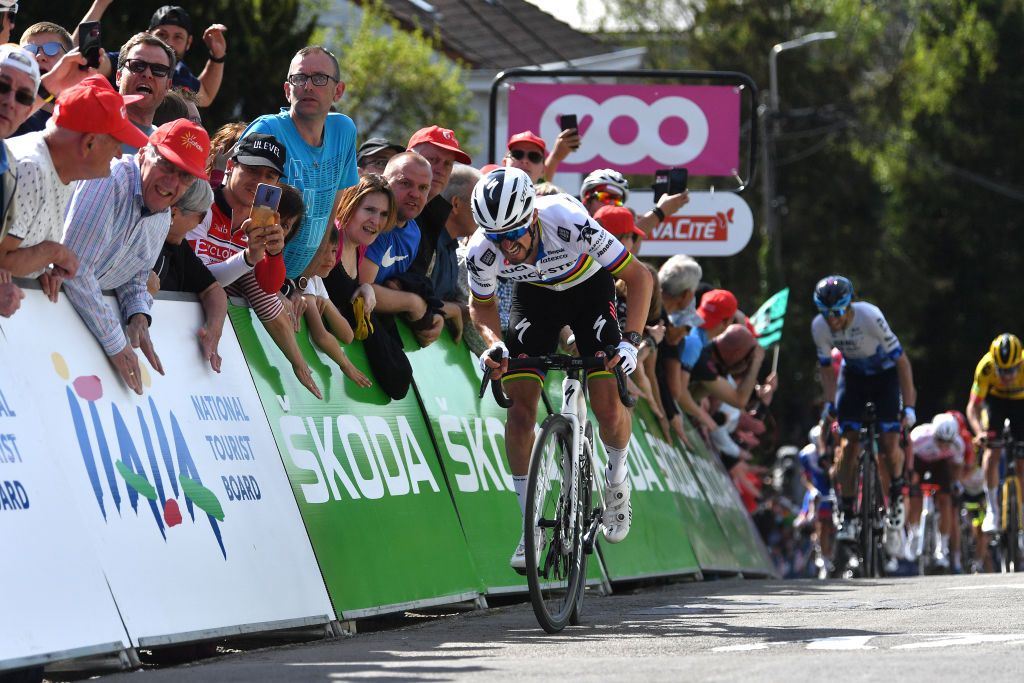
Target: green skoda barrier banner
367,479
745,542
470,437
658,543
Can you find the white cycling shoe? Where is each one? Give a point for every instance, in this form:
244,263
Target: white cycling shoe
894,541
848,529
988,525
518,559
618,511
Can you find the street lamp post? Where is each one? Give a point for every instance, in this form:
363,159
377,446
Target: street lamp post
769,130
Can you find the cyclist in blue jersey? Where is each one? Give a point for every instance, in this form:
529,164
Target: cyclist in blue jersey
562,263
874,369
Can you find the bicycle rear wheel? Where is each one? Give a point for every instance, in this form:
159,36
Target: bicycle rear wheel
553,526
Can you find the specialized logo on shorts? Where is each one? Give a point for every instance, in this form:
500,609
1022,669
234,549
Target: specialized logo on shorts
599,326
586,233
564,234
488,258
522,326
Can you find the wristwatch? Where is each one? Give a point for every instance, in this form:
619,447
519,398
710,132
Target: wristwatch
633,338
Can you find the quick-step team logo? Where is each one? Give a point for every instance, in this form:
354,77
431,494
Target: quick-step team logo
162,479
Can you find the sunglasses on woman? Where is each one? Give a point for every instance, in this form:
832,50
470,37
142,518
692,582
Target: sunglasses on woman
520,154
50,49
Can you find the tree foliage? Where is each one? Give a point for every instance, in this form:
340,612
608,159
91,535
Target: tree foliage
262,37
896,163
395,81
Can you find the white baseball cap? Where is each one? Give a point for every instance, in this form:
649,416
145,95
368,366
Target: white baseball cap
14,57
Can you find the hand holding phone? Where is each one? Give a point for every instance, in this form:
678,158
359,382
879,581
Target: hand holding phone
677,179
569,122
264,206
89,44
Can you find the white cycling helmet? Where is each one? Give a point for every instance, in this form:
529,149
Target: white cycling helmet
945,427
814,434
605,176
9,6
503,199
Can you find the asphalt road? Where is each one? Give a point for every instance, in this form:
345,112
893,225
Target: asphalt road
909,629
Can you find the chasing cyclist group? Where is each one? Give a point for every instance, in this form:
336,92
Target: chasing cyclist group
861,361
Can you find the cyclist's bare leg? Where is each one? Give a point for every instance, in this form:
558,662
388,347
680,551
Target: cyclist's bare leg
892,455
990,463
520,423
825,532
846,464
614,422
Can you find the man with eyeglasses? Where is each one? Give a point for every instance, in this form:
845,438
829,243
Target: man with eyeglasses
144,68
874,369
564,264
321,148
374,154
173,25
996,395
48,42
117,227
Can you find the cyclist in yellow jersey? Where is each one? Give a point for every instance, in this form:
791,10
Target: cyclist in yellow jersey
997,394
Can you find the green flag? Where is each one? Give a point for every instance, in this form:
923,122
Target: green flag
769,318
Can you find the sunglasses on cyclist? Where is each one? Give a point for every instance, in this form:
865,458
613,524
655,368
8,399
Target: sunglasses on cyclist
138,66
299,80
520,154
1008,372
50,49
607,197
832,312
509,235
22,96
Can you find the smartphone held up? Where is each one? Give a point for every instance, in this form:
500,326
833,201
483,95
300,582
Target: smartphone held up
264,206
89,44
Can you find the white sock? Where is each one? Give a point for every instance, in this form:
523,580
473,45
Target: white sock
519,484
993,498
945,544
616,472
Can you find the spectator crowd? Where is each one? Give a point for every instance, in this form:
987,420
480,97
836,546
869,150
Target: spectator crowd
111,182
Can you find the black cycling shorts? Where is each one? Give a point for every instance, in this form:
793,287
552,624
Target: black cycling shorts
854,392
941,471
1001,408
539,313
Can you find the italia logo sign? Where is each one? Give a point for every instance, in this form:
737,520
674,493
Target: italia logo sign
121,473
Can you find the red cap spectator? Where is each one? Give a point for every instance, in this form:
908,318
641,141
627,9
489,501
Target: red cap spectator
716,306
528,136
618,220
184,144
441,137
93,106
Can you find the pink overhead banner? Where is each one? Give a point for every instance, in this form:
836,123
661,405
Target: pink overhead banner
636,128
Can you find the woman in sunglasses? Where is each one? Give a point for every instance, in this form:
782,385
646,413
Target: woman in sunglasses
874,369
563,264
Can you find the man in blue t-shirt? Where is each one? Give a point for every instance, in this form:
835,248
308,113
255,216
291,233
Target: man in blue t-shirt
717,308
392,253
321,148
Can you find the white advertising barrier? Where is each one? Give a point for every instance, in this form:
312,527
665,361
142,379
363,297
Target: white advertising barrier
54,601
711,224
182,489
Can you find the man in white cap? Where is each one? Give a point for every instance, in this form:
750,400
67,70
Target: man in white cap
89,124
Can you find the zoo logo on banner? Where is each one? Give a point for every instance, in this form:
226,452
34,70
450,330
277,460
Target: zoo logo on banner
180,471
637,128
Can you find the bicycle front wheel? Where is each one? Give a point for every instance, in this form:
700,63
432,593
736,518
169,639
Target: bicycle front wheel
868,503
553,526
1011,528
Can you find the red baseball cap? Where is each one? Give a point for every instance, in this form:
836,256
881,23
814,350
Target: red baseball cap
93,106
184,144
716,306
618,220
529,137
441,137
